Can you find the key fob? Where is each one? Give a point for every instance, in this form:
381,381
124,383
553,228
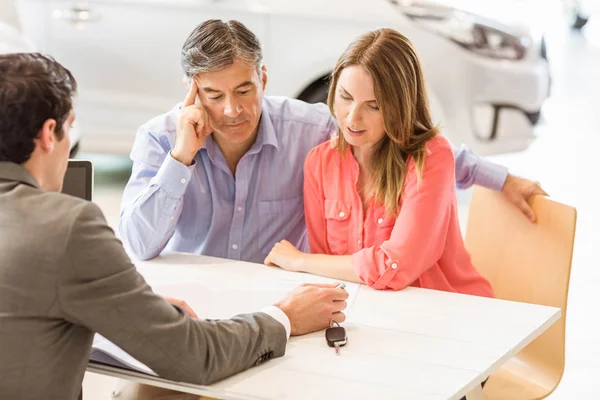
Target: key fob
336,334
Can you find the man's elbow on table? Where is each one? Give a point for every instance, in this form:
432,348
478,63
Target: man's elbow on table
141,252
136,247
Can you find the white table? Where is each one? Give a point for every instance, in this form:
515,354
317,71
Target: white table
413,344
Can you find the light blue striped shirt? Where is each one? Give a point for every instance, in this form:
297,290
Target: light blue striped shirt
204,209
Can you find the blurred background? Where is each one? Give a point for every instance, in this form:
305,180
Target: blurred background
517,81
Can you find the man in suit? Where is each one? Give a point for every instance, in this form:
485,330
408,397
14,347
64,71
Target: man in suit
64,275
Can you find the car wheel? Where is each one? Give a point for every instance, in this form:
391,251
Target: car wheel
579,22
316,92
74,151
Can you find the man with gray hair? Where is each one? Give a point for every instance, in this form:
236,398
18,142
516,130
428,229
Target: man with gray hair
222,173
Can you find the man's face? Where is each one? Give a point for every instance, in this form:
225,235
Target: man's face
232,98
59,156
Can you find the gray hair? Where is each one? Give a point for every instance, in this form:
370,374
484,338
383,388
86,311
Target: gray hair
214,45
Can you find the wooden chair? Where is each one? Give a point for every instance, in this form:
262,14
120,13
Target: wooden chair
529,263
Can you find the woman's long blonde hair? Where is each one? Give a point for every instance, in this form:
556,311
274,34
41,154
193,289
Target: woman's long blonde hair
400,92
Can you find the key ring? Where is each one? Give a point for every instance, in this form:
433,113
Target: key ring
333,322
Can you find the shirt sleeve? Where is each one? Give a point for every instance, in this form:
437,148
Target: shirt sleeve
314,199
153,197
418,238
474,170
278,315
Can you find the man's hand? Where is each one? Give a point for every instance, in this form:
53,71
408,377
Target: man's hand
183,305
518,191
311,307
285,256
192,128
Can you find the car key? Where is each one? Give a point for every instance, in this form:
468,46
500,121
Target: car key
335,336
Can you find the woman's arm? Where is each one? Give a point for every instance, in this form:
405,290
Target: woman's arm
288,257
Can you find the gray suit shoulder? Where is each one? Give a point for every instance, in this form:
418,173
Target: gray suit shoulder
58,211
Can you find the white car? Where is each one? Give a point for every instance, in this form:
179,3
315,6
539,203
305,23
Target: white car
12,41
487,78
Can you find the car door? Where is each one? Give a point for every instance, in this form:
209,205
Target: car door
125,57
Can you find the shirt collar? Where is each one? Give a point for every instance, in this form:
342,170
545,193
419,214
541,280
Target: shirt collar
266,131
14,172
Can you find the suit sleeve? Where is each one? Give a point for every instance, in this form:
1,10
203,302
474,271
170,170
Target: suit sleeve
101,290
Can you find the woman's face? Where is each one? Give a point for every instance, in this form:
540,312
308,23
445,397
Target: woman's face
357,112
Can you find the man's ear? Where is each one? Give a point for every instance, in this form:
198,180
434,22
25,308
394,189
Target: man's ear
264,77
186,81
46,139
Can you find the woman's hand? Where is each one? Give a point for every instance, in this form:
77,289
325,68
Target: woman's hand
286,256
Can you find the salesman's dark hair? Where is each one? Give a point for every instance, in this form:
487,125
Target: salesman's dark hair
33,89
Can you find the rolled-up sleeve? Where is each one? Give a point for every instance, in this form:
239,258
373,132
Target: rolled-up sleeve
153,196
419,235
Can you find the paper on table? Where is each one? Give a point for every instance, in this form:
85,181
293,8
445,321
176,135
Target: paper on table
106,352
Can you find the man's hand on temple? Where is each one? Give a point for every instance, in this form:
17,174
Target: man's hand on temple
519,190
192,127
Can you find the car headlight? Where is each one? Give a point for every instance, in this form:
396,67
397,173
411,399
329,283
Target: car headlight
477,34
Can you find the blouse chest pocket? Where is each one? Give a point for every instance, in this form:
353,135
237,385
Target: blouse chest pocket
337,220
383,225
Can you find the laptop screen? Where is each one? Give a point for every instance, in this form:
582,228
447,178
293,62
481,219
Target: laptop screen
79,179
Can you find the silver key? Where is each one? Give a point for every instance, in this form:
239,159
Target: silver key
337,348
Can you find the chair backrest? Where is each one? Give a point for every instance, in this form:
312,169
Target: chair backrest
526,262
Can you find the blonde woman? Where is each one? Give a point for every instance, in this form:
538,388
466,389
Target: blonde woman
380,200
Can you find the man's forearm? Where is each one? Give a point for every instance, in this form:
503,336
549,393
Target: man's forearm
215,350
470,169
149,215
145,226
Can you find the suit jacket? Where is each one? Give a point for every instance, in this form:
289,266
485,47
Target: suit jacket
64,276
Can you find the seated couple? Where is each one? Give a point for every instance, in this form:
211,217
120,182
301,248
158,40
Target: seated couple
364,191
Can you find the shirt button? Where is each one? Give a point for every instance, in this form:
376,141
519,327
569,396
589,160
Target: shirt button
183,180
234,246
394,266
380,220
172,218
359,242
342,214
239,209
